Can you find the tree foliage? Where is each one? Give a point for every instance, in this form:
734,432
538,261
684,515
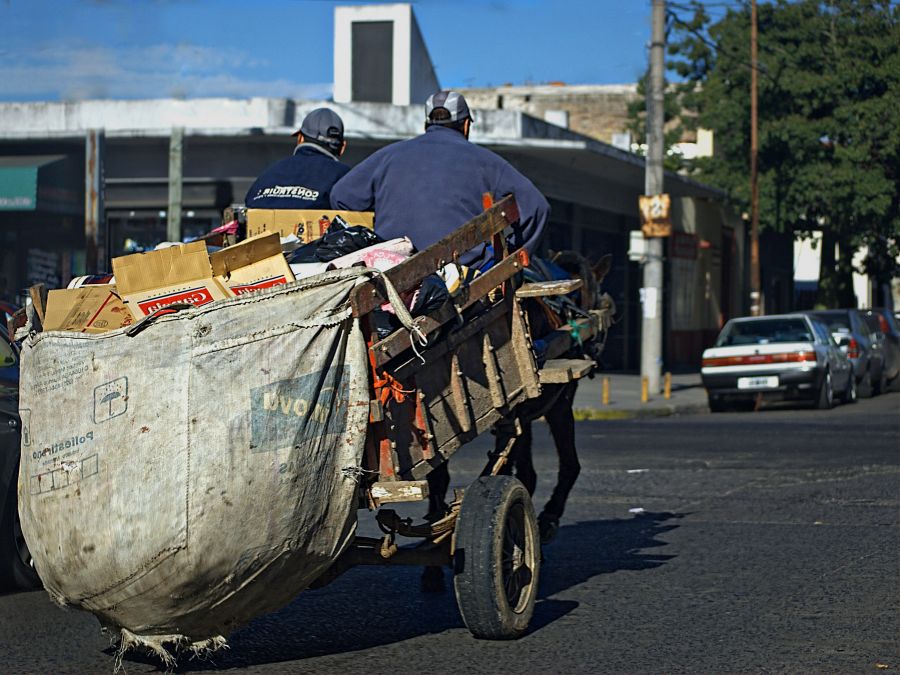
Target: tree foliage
829,115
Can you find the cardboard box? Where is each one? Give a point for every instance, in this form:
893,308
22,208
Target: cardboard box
179,274
89,309
307,224
252,265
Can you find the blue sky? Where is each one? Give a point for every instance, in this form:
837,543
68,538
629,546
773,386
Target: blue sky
76,49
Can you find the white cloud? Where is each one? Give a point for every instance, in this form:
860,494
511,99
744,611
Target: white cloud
78,72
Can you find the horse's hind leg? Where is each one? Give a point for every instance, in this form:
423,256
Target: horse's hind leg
521,457
438,483
561,421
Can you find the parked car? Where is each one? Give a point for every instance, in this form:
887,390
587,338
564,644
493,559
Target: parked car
787,356
16,570
859,343
885,324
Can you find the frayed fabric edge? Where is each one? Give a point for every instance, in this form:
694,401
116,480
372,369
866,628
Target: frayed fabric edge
166,648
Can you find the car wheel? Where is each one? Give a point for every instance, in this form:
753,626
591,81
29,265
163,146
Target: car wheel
716,404
880,385
825,398
865,389
850,394
16,568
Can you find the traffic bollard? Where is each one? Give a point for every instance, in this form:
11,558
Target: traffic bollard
605,391
667,386
645,385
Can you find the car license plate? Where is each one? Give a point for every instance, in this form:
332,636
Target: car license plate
769,382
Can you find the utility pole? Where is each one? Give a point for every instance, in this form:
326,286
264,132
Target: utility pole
755,296
94,211
652,291
176,152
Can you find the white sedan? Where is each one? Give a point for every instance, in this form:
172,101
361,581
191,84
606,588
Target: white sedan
785,356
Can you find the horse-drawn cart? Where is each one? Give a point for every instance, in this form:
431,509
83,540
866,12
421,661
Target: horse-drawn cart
186,474
438,384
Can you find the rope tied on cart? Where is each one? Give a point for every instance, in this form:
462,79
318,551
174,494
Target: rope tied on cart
417,337
389,387
575,332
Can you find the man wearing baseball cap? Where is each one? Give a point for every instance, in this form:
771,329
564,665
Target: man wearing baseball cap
304,180
426,187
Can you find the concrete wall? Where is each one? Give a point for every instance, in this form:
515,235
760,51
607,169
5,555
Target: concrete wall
414,78
598,111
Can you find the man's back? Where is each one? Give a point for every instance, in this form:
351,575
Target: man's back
428,186
301,181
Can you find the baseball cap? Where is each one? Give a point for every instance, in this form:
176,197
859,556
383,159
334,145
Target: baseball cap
322,125
451,101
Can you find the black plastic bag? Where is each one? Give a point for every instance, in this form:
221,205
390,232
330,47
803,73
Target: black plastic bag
432,295
305,253
335,243
341,242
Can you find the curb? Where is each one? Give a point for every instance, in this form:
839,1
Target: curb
595,414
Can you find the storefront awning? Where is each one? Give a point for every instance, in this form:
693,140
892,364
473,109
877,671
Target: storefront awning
40,183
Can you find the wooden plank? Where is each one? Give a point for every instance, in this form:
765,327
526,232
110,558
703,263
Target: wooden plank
541,289
400,491
398,342
561,371
410,273
38,294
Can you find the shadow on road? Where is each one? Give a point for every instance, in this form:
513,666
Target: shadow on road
587,549
371,607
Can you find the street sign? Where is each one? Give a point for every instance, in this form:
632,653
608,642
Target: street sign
655,215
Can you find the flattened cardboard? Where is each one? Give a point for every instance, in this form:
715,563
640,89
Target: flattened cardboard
252,265
178,274
89,309
305,223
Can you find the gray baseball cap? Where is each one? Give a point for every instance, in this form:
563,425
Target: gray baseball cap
322,125
451,101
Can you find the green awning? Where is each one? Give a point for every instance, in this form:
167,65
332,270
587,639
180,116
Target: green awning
36,182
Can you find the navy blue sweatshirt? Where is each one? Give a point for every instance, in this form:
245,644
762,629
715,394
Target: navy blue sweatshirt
301,181
428,186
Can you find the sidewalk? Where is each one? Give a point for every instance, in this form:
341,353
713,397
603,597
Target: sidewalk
688,397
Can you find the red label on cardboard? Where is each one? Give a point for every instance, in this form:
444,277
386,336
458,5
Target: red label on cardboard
259,285
193,296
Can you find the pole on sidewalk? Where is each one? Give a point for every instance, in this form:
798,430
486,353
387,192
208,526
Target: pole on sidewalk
94,211
176,151
755,285
652,291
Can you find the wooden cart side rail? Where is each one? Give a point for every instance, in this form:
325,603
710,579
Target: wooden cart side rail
399,341
409,273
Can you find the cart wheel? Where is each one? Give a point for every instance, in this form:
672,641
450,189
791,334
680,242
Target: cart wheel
497,558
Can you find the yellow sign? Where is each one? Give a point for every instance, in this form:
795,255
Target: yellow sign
655,215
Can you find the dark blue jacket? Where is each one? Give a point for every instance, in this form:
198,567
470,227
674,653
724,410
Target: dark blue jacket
301,181
428,186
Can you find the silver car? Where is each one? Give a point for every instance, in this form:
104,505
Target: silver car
786,356
859,343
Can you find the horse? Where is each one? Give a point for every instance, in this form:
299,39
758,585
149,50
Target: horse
554,404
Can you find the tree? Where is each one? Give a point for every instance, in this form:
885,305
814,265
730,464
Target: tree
829,120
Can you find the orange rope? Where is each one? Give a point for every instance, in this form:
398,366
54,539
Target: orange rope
388,387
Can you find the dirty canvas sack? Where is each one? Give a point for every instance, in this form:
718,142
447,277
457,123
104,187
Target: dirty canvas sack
180,482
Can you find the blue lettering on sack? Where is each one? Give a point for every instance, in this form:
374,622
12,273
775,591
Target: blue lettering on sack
298,412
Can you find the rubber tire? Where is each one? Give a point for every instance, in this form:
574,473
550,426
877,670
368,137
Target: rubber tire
716,404
489,505
881,386
825,395
15,573
850,394
866,389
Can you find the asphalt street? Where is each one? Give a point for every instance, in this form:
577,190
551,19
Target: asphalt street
744,542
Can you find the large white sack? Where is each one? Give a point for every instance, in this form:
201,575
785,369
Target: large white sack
180,482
